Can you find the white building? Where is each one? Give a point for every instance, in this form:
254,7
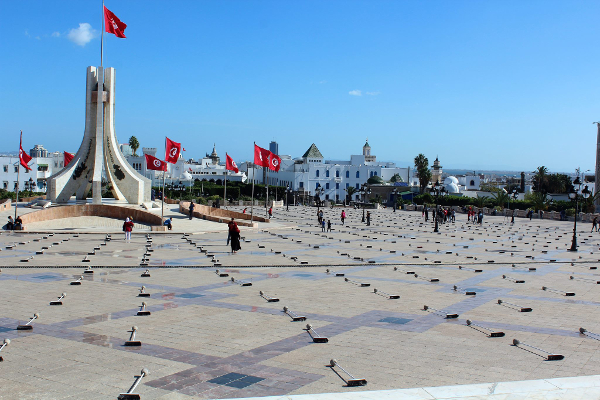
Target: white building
312,171
186,172
43,165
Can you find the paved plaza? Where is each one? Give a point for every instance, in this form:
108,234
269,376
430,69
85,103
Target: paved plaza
392,299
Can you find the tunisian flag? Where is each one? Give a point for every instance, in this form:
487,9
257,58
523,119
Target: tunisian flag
172,151
230,164
274,162
113,25
261,156
68,157
23,157
155,164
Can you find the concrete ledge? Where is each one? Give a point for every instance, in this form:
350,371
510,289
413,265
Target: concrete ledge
92,210
219,214
159,228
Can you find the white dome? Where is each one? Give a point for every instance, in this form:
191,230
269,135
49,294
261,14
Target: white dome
452,188
450,180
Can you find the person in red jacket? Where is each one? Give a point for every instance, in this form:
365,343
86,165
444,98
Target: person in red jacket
128,227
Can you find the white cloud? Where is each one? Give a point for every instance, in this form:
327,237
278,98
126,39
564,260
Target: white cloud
373,93
355,93
27,33
55,34
82,35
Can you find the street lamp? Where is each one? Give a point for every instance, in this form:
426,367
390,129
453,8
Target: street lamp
365,191
438,190
514,197
287,198
574,195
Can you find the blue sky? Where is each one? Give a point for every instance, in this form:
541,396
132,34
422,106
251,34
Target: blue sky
483,84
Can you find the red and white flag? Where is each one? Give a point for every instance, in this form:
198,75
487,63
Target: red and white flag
155,164
274,162
113,25
230,164
24,158
172,151
68,157
261,156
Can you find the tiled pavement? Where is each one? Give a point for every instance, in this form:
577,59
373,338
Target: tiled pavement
209,337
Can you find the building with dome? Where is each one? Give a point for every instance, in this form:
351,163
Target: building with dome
436,172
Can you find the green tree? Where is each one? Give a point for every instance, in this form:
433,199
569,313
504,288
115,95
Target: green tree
396,178
500,197
538,200
423,172
350,190
540,178
559,183
134,144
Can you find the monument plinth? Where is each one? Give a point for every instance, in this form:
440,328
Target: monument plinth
99,150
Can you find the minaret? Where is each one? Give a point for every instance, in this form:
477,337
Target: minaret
436,171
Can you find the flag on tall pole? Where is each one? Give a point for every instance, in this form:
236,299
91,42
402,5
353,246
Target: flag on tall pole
230,164
274,162
155,164
172,151
24,158
68,157
261,156
113,24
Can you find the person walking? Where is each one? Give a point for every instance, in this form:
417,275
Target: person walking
426,213
328,225
128,227
595,224
368,218
234,236
343,217
323,224
191,209
270,212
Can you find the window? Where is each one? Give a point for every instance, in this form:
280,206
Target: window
6,168
5,184
347,174
347,185
326,197
337,185
356,186
16,169
337,173
327,185
371,174
317,185
327,174
358,174
317,172
472,183
301,184
375,173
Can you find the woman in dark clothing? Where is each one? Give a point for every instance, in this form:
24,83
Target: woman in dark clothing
234,233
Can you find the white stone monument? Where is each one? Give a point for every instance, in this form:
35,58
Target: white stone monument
99,149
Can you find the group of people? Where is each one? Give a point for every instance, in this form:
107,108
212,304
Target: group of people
475,216
14,224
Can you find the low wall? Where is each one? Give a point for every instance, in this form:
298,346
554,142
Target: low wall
218,214
92,210
5,204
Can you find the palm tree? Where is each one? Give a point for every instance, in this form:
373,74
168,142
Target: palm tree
540,177
134,144
423,172
350,190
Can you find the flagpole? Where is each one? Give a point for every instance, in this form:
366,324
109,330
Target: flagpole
18,175
102,37
162,205
253,173
225,192
267,189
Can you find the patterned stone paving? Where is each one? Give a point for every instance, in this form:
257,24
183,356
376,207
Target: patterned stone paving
210,337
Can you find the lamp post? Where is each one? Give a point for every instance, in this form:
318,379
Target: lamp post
438,190
318,192
574,195
365,191
514,196
394,193
287,198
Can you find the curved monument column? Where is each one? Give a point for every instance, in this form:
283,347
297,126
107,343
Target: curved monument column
99,149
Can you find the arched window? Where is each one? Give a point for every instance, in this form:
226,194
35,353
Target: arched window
347,174
472,183
337,173
317,172
358,174
327,174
